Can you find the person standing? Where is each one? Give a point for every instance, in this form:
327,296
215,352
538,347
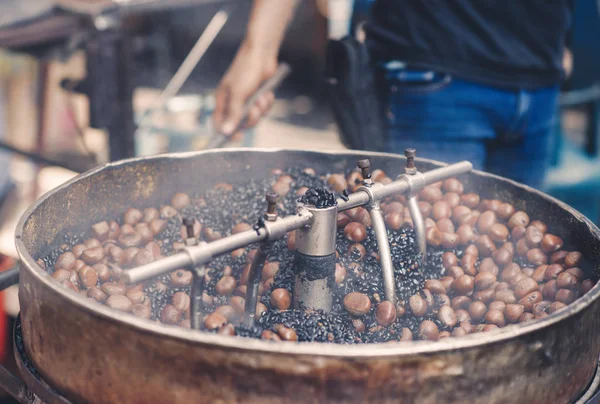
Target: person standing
470,80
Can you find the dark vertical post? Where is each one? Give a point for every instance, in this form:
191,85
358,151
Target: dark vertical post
111,89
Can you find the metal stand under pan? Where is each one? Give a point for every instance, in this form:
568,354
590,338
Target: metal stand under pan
32,389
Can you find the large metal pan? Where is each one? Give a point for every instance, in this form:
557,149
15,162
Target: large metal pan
94,354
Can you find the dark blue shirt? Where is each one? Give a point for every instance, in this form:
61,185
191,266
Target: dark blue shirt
505,43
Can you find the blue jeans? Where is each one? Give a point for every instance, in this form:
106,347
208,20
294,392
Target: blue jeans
501,131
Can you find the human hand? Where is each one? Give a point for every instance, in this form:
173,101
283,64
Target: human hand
250,68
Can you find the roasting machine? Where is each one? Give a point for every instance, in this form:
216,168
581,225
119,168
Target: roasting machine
71,349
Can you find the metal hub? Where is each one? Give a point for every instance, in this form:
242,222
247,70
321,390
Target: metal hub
316,229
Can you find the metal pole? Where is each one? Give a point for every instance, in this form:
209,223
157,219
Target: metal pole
196,305
253,284
36,158
199,255
385,255
419,225
195,256
442,173
191,61
9,278
111,92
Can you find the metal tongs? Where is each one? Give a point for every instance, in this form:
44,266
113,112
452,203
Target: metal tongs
219,139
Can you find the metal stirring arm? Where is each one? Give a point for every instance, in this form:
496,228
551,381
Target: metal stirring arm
417,182
257,264
202,254
419,225
410,183
378,223
385,255
313,223
196,304
253,284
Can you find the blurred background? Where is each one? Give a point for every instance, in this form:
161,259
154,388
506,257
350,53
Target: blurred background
77,75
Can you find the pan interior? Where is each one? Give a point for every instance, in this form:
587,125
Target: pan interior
107,192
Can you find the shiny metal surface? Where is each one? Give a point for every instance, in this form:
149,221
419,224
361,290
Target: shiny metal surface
196,304
385,256
383,244
417,182
253,283
418,224
313,294
404,184
547,360
318,239
451,170
202,254
358,198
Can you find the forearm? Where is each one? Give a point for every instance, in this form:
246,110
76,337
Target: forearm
268,23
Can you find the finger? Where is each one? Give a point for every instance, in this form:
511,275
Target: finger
237,137
220,106
270,101
254,116
235,107
263,101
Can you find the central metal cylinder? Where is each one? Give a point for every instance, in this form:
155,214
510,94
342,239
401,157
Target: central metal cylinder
315,260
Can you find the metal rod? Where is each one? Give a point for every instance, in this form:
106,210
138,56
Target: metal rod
16,388
156,268
219,139
191,61
359,198
9,277
199,255
196,305
385,255
448,171
419,225
36,158
401,186
253,283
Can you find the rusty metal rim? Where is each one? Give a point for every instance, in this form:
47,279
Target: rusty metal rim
316,349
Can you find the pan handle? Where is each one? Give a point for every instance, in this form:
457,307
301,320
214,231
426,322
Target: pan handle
9,278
